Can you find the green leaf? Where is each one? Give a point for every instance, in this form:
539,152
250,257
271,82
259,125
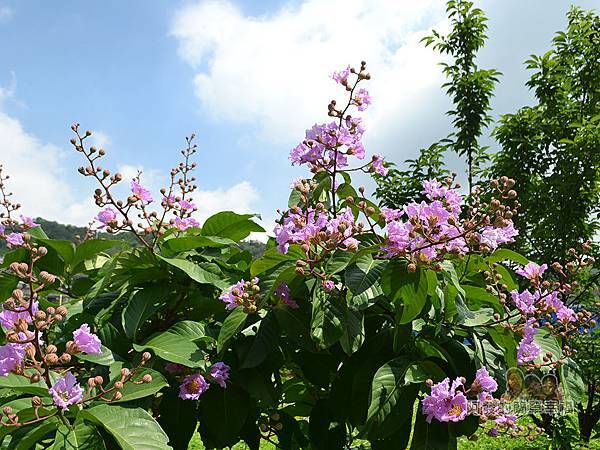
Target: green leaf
573,385
230,225
232,325
66,249
387,390
132,391
265,340
105,358
431,436
328,318
324,431
25,438
273,257
354,331
89,249
407,289
186,243
363,273
197,272
21,384
177,418
504,254
132,428
223,413
81,437
142,306
175,345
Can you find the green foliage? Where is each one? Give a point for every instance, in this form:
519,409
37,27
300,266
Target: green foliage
551,148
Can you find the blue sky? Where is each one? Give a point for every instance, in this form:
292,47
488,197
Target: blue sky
247,77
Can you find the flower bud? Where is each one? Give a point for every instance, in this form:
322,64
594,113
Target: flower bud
99,379
65,358
51,359
125,372
91,382
36,402
412,267
119,384
146,356
40,315
51,349
61,310
46,277
35,378
118,396
7,410
147,378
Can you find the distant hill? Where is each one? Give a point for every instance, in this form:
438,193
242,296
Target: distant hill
56,230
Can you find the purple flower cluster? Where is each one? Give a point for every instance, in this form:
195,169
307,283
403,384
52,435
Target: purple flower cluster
540,301
324,145
185,223
446,403
304,227
484,384
9,319
15,239
66,391
27,222
528,349
195,384
242,293
431,229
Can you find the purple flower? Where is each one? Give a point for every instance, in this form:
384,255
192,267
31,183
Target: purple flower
362,99
186,205
328,285
8,319
444,403
525,301
528,349
493,237
341,76
485,381
86,341
283,292
532,271
140,192
106,217
506,421
15,239
184,224
2,229
552,303
28,222
377,165
11,357
493,432
193,387
219,372
233,296
66,391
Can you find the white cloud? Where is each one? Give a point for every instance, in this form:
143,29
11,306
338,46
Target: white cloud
240,198
273,71
6,14
100,139
37,176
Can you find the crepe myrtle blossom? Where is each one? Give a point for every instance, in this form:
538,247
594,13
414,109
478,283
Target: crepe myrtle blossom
15,239
328,285
106,217
305,227
532,271
140,192
377,166
525,301
186,205
528,349
66,391
242,293
324,144
341,76
552,304
219,373
9,319
362,99
28,222
493,237
184,224
283,293
193,387
11,357
445,403
86,341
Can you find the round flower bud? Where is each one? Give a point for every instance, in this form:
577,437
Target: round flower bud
36,401
62,311
99,379
119,384
35,378
147,378
65,358
51,359
118,396
40,315
125,372
50,310
51,349
91,382
7,410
